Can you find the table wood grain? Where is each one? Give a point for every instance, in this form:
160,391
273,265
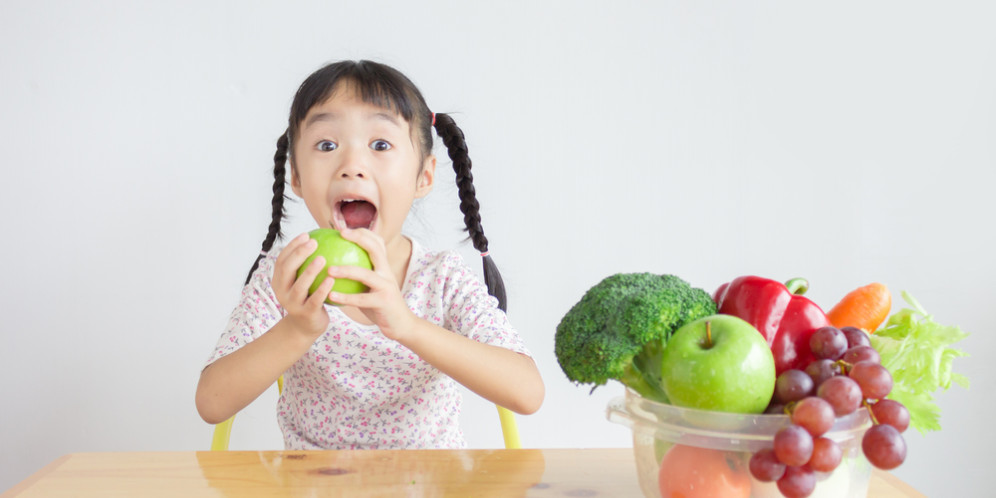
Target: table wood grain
523,472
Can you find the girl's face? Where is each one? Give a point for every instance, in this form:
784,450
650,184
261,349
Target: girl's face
355,165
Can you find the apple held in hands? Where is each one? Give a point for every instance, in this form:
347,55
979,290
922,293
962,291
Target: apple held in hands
337,251
720,363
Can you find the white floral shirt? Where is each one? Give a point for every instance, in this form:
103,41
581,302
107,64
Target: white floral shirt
356,388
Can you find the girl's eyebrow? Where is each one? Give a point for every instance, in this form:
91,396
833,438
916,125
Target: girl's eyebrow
388,117
331,116
322,116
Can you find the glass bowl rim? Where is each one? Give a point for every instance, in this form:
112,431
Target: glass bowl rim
715,429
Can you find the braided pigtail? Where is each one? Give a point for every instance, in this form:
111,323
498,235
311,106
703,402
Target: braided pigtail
456,147
277,202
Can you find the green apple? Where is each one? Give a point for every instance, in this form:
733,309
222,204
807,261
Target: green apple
720,363
337,251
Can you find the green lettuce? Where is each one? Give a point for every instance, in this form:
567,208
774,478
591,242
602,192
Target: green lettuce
917,352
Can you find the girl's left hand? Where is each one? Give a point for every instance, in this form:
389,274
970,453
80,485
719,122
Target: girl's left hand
382,303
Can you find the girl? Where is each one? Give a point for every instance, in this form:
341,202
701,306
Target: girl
379,370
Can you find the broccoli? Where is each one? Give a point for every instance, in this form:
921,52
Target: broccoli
620,328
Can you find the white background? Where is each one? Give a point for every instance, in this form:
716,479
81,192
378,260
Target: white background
846,143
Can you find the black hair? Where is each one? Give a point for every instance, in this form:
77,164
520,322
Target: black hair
386,87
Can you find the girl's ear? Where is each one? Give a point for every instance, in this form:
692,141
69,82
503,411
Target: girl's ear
425,179
295,181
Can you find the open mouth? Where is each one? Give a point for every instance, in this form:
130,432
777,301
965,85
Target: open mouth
354,213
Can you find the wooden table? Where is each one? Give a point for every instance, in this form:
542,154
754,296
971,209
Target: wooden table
526,472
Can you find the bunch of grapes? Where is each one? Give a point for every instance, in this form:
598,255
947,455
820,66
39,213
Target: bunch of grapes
846,376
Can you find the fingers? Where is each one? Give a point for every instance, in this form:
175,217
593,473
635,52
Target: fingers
291,258
372,243
366,277
293,290
362,300
317,299
300,287
369,299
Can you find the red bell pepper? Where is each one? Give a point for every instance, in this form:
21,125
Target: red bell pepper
779,312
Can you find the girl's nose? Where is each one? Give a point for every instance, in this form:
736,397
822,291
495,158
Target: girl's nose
353,163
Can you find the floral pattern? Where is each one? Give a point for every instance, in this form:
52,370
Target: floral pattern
356,388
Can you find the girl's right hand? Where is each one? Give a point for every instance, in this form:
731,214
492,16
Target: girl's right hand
305,313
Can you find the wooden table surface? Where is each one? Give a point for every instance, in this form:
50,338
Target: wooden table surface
525,472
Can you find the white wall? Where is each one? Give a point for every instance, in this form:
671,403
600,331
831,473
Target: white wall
847,143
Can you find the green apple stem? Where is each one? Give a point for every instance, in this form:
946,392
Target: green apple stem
708,335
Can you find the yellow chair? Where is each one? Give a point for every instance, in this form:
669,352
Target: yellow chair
509,429
223,431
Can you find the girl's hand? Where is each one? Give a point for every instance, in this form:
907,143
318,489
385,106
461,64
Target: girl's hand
383,303
305,313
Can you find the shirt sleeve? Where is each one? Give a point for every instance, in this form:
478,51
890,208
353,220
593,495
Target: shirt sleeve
471,311
257,312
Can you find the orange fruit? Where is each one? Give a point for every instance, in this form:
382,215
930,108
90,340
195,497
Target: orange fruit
690,471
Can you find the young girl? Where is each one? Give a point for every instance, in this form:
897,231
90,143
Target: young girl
379,370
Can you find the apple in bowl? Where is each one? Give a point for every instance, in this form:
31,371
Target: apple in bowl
718,363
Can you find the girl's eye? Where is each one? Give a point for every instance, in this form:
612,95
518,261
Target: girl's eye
380,145
327,146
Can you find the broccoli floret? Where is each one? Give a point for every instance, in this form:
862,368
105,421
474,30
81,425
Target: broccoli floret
620,328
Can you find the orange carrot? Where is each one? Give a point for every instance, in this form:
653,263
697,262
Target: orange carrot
865,307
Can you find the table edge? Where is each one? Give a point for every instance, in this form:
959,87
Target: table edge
894,481
30,481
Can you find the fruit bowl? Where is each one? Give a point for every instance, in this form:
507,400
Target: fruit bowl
729,439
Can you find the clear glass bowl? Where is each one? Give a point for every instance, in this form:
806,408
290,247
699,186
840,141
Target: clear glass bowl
657,427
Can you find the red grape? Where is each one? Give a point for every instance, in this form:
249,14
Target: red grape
843,394
826,455
893,413
775,408
884,446
861,353
855,337
792,385
797,482
793,445
813,414
765,467
821,370
828,343
874,379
